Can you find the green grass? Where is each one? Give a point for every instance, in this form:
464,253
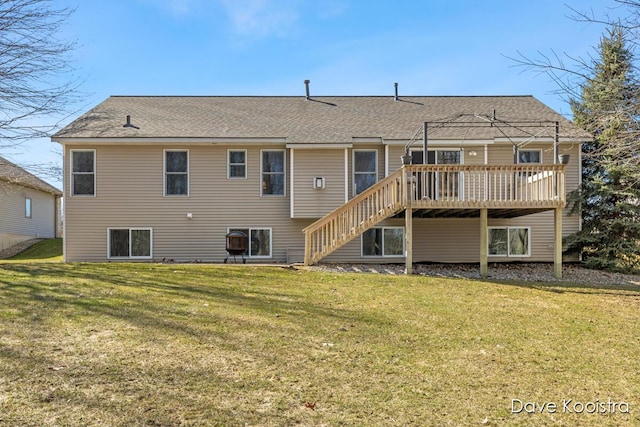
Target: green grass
167,345
48,250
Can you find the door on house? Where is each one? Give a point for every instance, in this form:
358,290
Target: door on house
441,184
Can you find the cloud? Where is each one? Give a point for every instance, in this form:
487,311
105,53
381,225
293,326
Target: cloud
262,18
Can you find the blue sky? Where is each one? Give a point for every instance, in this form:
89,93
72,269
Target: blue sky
345,47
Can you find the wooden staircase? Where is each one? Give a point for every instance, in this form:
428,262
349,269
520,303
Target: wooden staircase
377,203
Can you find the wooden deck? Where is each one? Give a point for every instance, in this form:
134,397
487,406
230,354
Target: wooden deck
433,191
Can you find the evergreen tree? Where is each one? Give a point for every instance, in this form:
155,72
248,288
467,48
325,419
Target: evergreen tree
609,198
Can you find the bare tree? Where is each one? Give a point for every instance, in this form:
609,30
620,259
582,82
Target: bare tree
37,80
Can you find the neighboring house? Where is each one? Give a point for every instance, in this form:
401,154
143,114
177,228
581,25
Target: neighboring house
29,207
153,178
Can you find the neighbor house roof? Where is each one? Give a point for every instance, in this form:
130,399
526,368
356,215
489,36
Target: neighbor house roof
10,172
298,120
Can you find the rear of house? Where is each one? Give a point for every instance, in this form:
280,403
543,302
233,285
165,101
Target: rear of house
167,178
29,207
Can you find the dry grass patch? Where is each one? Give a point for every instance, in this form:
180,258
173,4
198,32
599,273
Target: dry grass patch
166,345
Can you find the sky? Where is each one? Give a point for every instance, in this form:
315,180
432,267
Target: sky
345,47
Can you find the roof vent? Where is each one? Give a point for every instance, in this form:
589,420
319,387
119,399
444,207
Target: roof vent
129,124
306,84
395,85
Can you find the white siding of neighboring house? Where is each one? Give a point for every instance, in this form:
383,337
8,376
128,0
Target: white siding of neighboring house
14,225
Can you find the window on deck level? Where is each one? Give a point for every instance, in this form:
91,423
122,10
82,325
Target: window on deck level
272,170
365,169
529,156
83,172
237,167
176,171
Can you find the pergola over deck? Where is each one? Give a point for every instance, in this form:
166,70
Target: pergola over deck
452,191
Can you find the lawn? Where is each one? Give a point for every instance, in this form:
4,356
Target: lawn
48,250
170,345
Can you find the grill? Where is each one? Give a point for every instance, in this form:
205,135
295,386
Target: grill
237,244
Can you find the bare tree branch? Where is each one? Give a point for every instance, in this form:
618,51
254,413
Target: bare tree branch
37,80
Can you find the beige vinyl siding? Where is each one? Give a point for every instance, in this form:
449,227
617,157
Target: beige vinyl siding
14,226
542,232
129,194
309,202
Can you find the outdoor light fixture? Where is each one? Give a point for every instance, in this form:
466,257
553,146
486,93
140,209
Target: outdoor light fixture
318,182
189,215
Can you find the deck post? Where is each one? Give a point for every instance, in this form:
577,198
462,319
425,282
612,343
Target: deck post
408,240
484,247
307,248
557,246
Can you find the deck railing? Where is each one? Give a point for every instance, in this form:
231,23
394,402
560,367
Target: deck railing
436,187
473,186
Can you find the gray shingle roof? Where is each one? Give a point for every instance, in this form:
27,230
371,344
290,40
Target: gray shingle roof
13,173
322,119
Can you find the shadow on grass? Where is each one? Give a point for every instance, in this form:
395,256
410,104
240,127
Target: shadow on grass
153,295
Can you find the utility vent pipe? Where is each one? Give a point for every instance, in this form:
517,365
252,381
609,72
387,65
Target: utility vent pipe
128,124
306,84
395,85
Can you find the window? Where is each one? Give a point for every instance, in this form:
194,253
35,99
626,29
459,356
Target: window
176,173
272,170
529,156
365,169
83,172
259,241
383,241
237,164
509,241
129,243
27,207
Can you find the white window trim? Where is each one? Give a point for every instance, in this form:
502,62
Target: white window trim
530,150
164,172
130,230
508,255
353,167
248,255
28,207
404,243
246,166
284,165
71,172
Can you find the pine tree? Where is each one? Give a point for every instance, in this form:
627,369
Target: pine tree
609,197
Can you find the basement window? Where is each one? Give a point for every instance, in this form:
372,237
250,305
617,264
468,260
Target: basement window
509,241
383,242
130,243
259,241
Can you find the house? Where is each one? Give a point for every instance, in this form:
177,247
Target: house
29,207
168,177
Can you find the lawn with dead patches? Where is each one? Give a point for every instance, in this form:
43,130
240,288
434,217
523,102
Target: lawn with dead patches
169,345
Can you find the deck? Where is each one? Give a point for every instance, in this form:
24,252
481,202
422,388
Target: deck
435,191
